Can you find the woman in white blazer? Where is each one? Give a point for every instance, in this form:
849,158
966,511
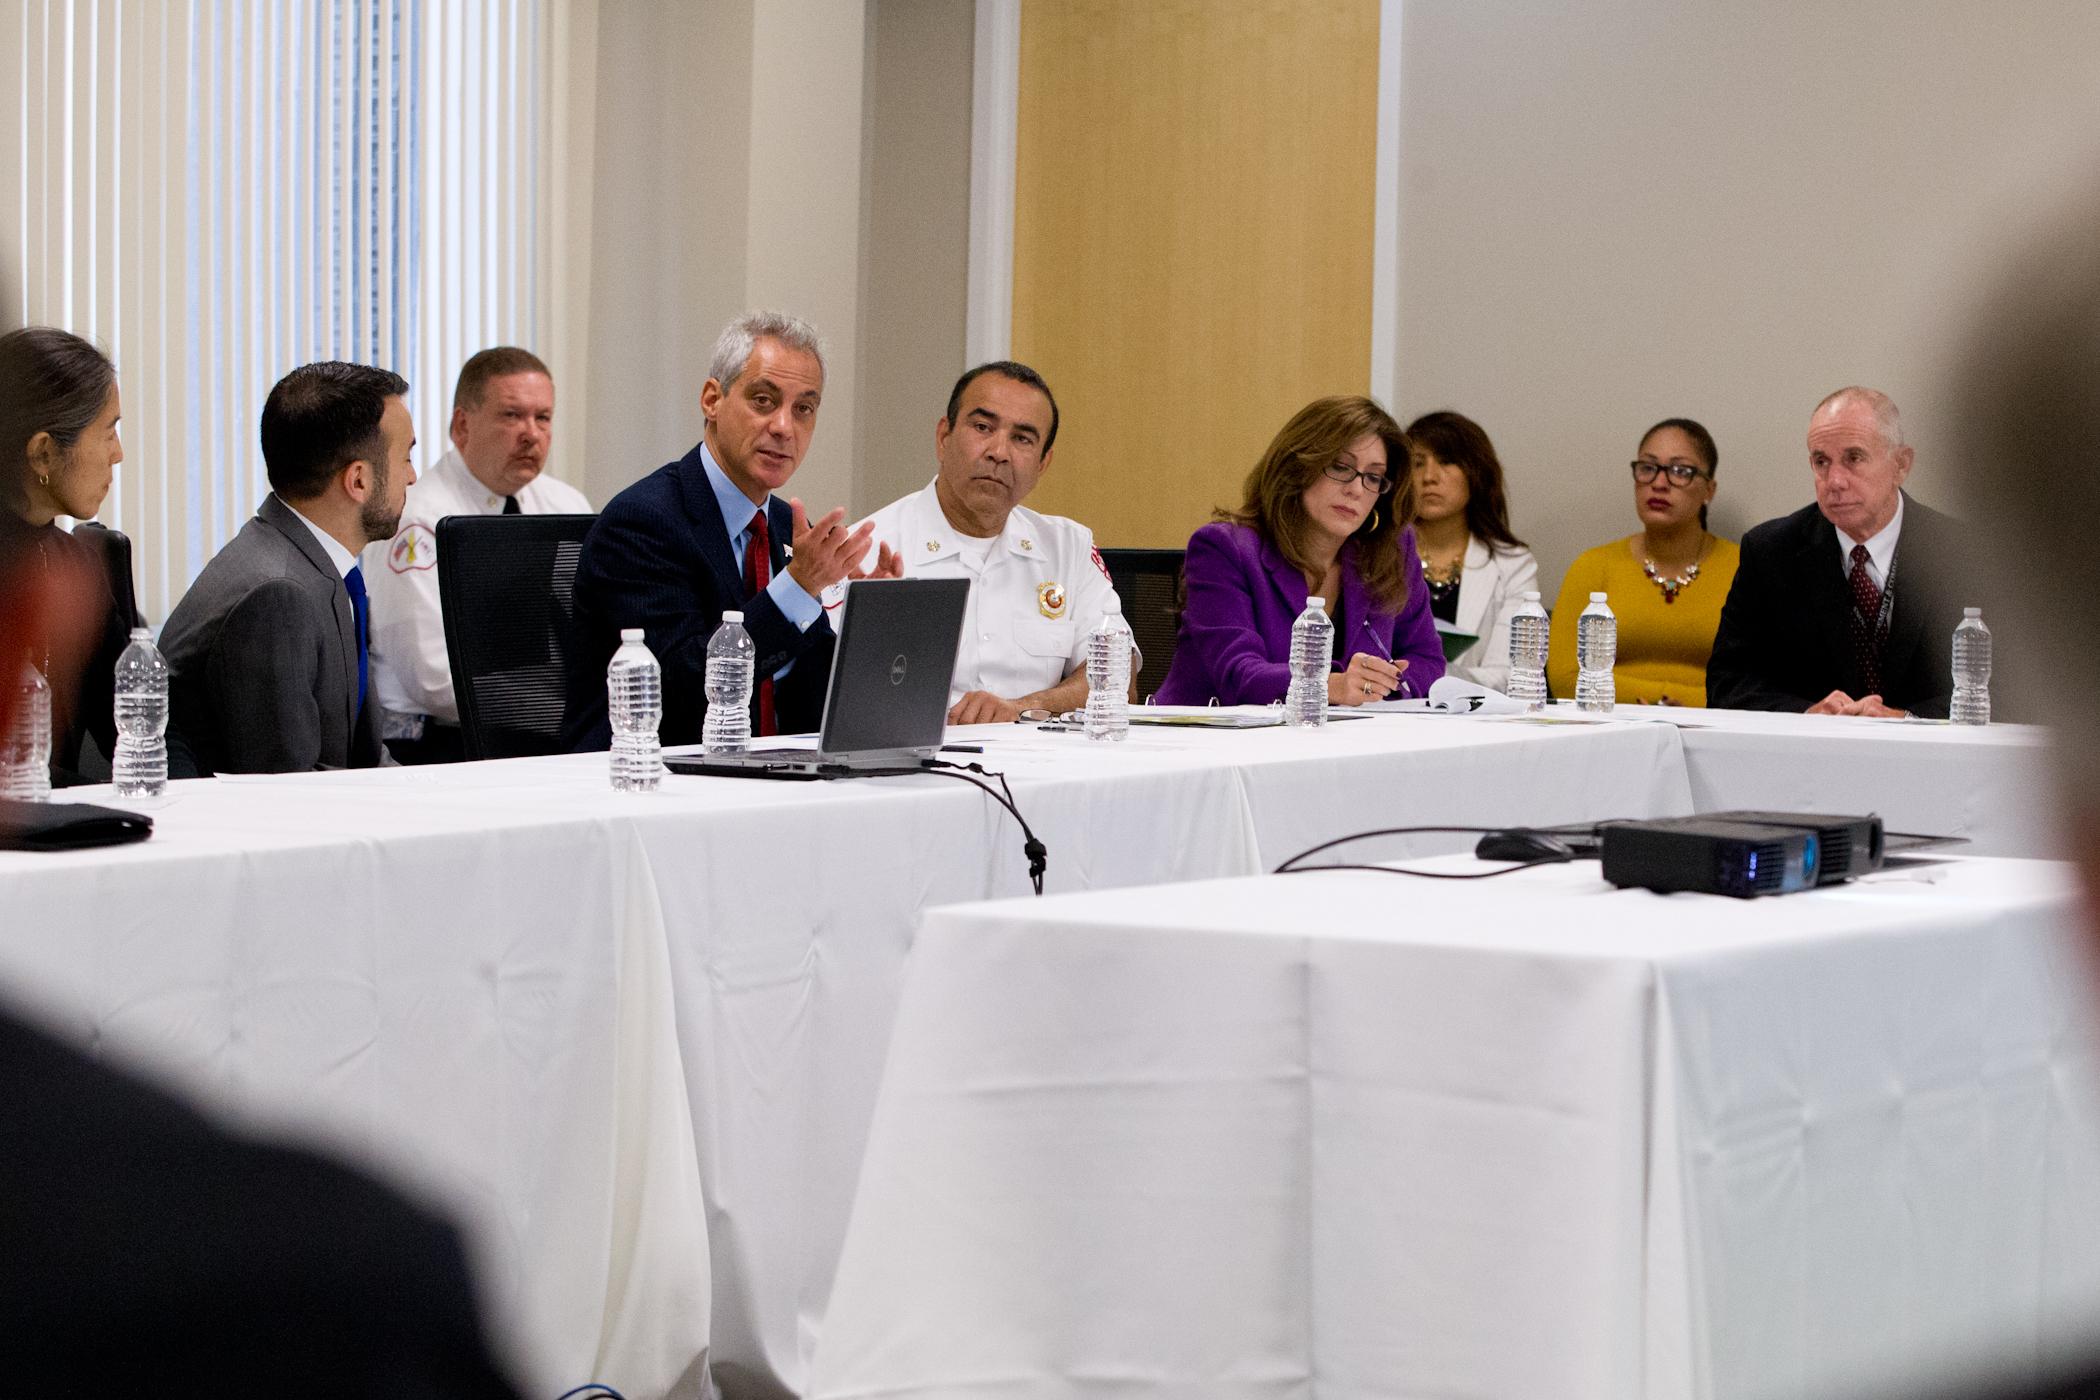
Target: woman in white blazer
1476,570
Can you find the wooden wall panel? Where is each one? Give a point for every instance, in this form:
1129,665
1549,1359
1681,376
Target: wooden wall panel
1192,245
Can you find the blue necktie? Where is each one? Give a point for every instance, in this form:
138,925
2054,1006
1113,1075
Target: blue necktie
355,582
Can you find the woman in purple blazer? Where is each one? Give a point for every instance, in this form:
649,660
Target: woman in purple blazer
1322,516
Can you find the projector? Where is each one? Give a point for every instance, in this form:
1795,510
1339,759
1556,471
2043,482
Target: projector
1847,847
1710,855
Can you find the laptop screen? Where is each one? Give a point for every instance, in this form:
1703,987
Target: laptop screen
891,667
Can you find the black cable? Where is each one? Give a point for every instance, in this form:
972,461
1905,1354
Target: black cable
593,1391
1038,854
1437,874
1291,866
1285,868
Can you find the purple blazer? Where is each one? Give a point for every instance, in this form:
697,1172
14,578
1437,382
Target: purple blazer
1235,639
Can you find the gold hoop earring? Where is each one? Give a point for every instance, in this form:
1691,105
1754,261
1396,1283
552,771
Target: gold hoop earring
1374,522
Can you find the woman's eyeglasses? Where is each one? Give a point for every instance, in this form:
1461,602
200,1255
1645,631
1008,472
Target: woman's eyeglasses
1678,472
1373,481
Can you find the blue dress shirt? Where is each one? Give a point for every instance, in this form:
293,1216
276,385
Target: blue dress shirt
737,514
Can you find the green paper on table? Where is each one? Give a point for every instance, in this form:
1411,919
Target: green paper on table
1455,642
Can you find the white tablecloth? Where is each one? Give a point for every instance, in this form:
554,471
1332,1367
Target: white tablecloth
1989,784
461,985
1354,1134
782,914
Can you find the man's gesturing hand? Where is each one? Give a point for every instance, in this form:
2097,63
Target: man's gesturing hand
826,551
888,564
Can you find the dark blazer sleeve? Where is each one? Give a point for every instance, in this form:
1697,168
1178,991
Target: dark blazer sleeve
1220,623
262,681
1750,646
641,568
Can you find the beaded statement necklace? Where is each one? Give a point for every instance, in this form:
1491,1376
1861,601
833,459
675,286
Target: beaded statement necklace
1671,587
1443,588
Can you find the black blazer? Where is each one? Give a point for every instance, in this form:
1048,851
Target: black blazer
1785,640
263,656
658,558
150,1252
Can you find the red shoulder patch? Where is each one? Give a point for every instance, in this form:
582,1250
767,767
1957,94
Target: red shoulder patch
1099,565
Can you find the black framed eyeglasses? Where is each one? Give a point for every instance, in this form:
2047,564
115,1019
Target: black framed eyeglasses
1678,472
1373,481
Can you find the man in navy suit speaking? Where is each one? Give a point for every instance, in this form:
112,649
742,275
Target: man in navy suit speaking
704,534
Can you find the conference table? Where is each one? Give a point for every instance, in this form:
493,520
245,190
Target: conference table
634,1042
1351,1133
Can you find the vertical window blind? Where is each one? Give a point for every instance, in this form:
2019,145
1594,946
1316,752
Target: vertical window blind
217,191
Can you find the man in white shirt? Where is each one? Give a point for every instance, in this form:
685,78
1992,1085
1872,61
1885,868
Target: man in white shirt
1037,585
502,422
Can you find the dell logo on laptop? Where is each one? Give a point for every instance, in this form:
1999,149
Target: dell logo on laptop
897,670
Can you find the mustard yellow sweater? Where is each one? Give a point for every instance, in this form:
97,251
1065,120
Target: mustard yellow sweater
1663,647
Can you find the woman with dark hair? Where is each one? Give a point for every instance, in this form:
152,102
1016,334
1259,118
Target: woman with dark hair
58,453
1326,514
1476,570
1666,584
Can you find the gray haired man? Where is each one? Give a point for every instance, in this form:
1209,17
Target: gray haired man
705,534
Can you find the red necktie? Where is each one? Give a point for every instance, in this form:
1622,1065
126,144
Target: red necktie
758,572
1866,619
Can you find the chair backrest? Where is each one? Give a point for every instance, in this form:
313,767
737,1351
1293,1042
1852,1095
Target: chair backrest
505,586
1149,583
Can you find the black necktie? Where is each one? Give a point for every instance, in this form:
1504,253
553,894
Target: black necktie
510,506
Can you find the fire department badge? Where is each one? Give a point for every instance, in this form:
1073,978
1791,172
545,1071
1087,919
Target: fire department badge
1051,599
414,548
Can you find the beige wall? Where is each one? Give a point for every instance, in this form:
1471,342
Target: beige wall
1192,241
915,252
1619,212
726,175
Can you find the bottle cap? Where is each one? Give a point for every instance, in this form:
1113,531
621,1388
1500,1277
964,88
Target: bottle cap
145,634
1316,601
1965,612
1597,597
1531,595
630,634
732,616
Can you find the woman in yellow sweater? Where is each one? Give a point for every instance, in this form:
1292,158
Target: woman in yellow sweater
1665,584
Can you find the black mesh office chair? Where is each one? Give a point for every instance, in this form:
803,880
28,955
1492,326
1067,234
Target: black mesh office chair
1149,583
504,587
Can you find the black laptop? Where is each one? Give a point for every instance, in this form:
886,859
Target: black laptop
886,705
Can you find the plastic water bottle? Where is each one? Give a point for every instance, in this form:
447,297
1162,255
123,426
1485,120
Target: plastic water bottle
139,767
1972,670
1108,679
634,694
731,654
1528,628
25,754
1312,648
1596,652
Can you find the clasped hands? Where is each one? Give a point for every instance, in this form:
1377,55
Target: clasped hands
827,552
1365,679
1837,702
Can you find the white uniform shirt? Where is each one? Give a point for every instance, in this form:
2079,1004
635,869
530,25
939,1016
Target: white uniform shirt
411,673
1035,593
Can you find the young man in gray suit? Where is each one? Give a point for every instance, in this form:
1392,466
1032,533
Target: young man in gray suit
270,646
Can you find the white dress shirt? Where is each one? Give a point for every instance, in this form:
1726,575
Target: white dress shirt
1036,591
1881,548
411,672
339,556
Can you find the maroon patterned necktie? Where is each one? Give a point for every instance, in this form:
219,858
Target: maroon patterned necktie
758,572
1866,622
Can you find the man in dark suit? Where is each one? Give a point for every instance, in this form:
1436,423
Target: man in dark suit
269,648
704,535
1854,596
